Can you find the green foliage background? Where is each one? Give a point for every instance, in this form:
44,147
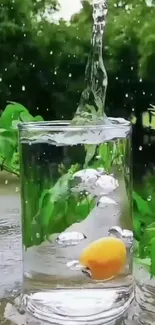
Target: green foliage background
49,59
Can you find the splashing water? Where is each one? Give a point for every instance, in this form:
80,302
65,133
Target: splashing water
92,102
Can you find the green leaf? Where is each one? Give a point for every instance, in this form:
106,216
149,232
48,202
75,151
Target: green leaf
12,112
8,144
145,263
90,152
104,153
38,118
46,207
51,198
137,227
26,117
82,210
142,205
152,256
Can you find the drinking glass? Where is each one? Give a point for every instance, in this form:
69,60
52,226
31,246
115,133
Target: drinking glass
76,185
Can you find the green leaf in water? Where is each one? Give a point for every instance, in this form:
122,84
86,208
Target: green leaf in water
90,152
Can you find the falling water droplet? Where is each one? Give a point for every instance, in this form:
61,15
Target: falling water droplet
149,198
6,181
70,238
23,88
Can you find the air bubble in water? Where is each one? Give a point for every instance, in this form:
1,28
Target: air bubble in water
70,238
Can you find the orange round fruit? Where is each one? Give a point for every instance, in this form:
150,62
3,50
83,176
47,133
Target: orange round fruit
105,258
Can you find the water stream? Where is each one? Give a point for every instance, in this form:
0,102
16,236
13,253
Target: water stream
92,101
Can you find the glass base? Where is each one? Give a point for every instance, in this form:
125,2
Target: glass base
145,298
144,294
78,306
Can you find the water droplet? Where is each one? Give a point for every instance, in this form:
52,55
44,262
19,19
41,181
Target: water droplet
69,238
17,189
105,201
149,198
126,95
51,52
140,148
37,235
70,75
23,88
0,79
75,266
6,181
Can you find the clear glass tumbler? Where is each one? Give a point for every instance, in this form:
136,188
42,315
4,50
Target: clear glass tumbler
76,220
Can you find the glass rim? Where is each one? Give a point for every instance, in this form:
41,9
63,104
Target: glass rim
61,125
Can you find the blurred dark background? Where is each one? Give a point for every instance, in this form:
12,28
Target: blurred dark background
42,64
